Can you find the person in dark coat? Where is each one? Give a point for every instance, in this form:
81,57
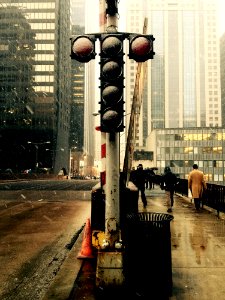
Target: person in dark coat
132,174
169,181
149,178
138,178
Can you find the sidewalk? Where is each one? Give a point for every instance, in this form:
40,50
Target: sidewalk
198,255
198,244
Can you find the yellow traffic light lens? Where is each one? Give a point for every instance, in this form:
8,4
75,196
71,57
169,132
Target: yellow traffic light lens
111,94
111,45
111,119
111,70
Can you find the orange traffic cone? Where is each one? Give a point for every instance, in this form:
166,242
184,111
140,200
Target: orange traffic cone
86,248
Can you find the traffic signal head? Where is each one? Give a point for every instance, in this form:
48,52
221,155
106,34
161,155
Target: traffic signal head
83,47
141,47
112,83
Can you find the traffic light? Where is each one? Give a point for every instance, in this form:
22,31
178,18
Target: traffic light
141,47
83,47
112,78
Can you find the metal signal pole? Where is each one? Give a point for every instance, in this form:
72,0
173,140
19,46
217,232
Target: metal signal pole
109,271
112,156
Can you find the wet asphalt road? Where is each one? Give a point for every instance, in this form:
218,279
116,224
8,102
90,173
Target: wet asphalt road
39,222
37,185
197,247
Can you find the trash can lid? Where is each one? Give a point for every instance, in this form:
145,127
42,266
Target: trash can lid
149,217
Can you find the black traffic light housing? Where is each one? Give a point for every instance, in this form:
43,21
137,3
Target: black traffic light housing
141,47
83,47
111,65
111,7
112,82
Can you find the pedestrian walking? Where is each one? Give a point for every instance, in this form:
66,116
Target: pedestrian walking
132,174
197,185
169,181
138,178
149,178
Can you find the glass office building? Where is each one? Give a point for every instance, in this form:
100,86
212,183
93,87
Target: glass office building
181,148
182,100
183,80
35,86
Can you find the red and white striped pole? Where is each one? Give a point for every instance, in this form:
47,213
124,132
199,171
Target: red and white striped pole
112,213
103,160
110,155
107,275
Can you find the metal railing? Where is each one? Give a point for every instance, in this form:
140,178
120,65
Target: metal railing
213,197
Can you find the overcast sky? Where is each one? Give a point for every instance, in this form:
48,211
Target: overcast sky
94,11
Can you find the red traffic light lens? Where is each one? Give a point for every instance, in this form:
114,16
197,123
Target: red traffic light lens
141,46
83,46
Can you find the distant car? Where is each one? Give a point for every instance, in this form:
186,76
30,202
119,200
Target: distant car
8,171
27,171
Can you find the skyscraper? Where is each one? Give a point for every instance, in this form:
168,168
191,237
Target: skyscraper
222,72
77,103
183,80
78,12
34,86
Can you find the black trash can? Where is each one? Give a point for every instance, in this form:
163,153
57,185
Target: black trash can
147,260
97,208
128,201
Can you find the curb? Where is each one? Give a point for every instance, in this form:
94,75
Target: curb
62,285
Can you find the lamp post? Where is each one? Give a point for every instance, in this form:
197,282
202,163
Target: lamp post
36,145
71,161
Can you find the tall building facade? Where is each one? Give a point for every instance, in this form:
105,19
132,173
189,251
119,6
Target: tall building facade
180,148
183,80
84,17
222,73
35,91
78,95
92,147
78,12
85,140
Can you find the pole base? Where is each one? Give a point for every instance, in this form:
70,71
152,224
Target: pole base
109,272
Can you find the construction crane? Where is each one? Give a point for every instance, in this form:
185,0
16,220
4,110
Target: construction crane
135,114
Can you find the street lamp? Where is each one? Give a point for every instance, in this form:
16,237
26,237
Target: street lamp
36,145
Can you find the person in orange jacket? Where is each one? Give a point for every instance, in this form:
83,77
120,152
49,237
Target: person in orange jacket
196,184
